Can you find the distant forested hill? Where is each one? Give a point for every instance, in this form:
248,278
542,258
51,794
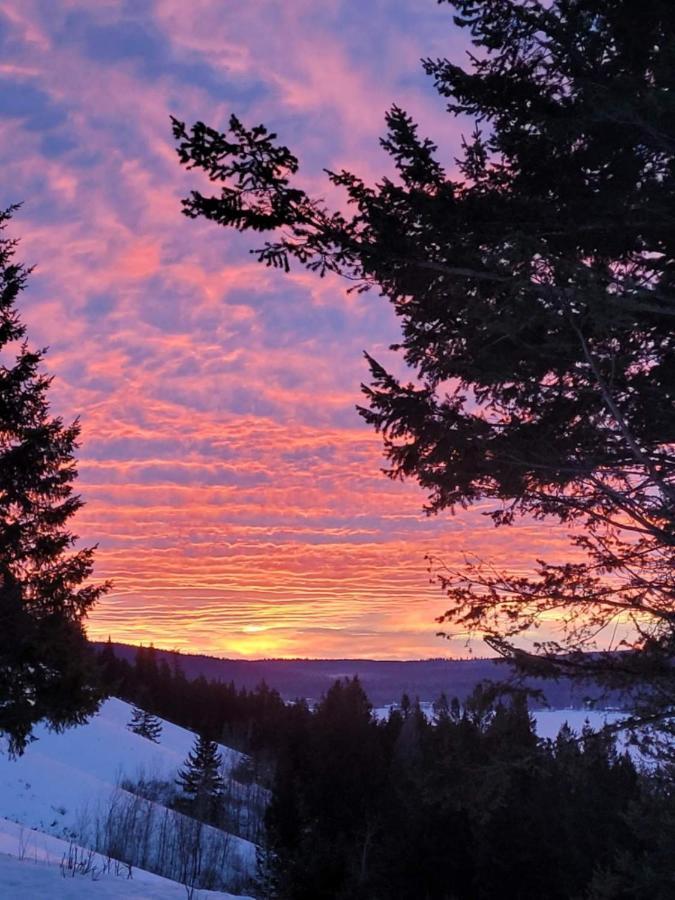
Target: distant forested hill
384,680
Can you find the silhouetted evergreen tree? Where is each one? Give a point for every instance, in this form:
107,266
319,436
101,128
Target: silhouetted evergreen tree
201,780
108,663
441,707
145,724
645,867
535,277
46,671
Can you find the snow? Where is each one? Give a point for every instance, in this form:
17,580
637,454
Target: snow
550,721
30,869
38,881
62,780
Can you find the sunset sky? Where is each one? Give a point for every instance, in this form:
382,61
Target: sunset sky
235,494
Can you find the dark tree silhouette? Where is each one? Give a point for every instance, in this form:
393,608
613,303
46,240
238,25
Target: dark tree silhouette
45,593
473,807
145,724
535,294
201,780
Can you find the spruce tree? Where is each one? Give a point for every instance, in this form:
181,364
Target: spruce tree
200,779
46,670
145,724
441,707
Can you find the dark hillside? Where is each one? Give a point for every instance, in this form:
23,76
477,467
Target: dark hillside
384,680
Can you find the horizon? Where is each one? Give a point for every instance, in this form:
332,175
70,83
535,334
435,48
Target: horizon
234,493
252,659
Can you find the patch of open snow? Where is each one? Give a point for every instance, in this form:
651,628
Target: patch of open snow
25,880
550,721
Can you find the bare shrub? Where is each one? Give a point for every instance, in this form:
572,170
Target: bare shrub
149,836
243,808
78,861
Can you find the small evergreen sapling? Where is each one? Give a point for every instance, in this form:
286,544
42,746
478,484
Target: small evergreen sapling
145,724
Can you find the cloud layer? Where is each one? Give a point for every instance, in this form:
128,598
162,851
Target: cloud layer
235,495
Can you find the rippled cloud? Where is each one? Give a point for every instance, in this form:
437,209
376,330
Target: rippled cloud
235,495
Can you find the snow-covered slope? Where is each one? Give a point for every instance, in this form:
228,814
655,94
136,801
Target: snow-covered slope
64,781
40,881
61,775
31,869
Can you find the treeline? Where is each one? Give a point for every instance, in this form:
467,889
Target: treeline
252,720
469,806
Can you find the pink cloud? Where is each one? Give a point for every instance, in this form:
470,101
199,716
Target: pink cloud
236,497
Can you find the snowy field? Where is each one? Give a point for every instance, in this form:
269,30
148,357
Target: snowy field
50,796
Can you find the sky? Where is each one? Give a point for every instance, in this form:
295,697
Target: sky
235,495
